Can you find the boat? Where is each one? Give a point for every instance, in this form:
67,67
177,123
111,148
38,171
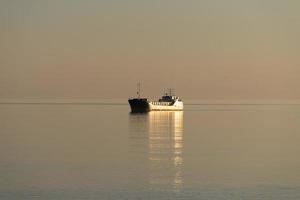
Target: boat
168,102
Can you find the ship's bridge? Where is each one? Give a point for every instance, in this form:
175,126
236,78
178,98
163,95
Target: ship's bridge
168,98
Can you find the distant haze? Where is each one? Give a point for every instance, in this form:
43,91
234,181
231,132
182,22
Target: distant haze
204,49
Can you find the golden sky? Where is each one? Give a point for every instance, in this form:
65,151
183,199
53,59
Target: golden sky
205,49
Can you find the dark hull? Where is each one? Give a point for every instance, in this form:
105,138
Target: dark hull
139,105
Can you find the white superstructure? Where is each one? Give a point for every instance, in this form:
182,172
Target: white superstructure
166,103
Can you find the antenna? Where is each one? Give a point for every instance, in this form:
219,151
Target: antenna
170,91
138,92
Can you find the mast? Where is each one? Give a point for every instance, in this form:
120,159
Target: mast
170,91
165,93
138,92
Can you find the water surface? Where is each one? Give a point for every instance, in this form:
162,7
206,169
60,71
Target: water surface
82,151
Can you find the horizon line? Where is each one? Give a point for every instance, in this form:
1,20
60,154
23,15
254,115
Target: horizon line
123,103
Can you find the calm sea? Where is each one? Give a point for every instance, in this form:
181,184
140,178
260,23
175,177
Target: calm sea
90,151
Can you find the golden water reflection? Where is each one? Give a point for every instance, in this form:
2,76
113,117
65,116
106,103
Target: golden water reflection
159,137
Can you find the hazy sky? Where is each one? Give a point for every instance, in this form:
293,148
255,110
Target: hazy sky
205,49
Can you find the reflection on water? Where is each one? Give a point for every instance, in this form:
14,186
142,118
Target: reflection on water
68,152
157,138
